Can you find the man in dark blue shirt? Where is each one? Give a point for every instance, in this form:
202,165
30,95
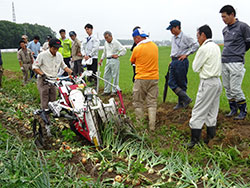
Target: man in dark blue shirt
236,42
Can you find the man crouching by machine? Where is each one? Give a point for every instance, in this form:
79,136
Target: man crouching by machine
47,65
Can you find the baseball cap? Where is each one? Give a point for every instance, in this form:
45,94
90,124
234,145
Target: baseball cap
55,43
71,33
49,37
173,23
139,32
24,37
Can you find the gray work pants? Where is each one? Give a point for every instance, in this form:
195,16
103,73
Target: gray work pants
206,104
232,77
26,69
112,71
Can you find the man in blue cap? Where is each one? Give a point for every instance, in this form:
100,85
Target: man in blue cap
145,57
182,46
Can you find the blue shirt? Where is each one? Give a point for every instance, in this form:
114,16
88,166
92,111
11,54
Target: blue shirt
183,45
34,47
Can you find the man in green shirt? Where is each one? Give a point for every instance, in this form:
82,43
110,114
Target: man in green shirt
65,50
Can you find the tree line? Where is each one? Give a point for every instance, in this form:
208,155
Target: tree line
11,33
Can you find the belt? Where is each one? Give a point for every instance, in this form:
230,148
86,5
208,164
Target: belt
110,58
176,58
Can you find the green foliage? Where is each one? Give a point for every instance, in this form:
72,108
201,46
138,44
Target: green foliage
11,33
68,134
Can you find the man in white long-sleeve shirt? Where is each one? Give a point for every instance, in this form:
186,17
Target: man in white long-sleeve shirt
207,63
112,51
89,49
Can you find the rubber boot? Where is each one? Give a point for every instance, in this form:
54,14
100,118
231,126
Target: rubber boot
211,132
233,107
139,115
195,138
152,118
183,97
179,105
243,110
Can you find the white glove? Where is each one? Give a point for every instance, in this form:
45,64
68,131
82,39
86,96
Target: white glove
22,68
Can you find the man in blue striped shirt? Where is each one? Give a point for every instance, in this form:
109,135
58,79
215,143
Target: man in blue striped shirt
182,47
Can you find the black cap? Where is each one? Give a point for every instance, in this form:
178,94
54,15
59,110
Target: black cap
174,23
49,37
55,43
72,33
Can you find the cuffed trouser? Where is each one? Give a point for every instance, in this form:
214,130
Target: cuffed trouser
145,90
112,71
178,74
93,67
78,67
1,75
232,77
66,61
47,93
207,104
26,69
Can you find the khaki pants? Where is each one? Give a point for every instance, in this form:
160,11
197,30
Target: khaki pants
47,93
1,74
26,68
207,103
145,90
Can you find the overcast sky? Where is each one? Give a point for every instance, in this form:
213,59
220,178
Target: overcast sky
120,17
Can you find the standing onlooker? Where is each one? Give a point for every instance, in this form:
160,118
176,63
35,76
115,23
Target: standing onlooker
131,49
236,42
182,46
65,50
112,51
46,44
1,69
34,46
76,54
24,56
25,39
145,58
90,48
207,63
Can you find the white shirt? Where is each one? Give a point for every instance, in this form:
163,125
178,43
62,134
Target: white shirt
45,46
207,60
49,64
113,48
90,46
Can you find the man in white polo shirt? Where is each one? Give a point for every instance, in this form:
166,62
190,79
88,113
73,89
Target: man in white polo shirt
47,65
113,49
207,63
